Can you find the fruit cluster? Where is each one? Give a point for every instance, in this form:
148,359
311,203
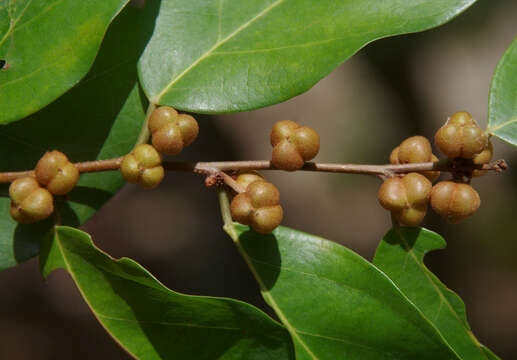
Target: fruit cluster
259,205
293,145
258,202
32,197
463,142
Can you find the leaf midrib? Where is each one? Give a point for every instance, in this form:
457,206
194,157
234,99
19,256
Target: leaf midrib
500,126
156,99
443,299
230,229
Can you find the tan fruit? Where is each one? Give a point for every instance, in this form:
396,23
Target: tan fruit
171,131
454,201
293,145
461,137
56,173
482,158
259,207
415,149
406,197
29,201
143,166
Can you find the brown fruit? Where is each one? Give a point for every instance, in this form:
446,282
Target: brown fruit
415,149
171,131
266,219
29,201
143,166
293,145
482,158
258,207
406,197
454,201
461,137
244,178
56,173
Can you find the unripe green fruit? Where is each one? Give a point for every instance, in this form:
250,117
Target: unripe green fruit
245,178
461,137
171,131
29,201
406,197
483,157
258,207
56,173
143,166
415,149
293,145
454,201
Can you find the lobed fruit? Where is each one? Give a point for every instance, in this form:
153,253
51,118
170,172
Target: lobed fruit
143,166
293,145
483,157
56,173
29,201
171,131
415,149
454,201
244,178
406,197
461,137
258,207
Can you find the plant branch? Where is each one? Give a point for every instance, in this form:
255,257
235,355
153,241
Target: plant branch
218,168
144,135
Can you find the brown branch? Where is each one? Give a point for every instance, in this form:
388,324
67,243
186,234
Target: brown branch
217,168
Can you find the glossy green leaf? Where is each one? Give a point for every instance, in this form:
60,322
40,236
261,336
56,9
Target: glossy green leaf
152,322
218,56
98,119
502,107
335,304
48,46
400,255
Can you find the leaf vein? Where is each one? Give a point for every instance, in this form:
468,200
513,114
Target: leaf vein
207,54
168,323
500,126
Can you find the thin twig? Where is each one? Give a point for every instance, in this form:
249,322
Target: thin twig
219,167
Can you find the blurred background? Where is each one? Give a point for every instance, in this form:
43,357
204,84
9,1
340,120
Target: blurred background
392,89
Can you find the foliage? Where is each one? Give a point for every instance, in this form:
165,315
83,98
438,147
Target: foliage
211,56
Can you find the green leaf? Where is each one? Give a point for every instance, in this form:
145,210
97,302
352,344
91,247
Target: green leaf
401,256
48,46
215,56
152,322
335,304
98,119
502,107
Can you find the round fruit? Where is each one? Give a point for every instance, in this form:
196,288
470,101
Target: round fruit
266,219
461,137
406,197
29,201
171,131
56,173
454,201
415,149
143,166
482,158
259,207
293,145
244,178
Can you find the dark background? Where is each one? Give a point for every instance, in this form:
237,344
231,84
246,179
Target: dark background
392,89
